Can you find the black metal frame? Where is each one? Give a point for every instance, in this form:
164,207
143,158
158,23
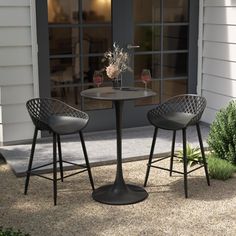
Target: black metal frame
40,111
56,143
119,193
185,172
187,103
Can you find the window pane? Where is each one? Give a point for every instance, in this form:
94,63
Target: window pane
90,64
64,85
63,40
175,64
98,38
175,37
174,87
151,62
175,10
146,11
154,85
148,38
92,104
61,11
95,11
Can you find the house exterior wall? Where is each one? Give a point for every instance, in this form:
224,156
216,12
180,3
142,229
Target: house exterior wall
217,54
18,68
19,65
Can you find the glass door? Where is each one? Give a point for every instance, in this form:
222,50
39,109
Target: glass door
155,33
161,30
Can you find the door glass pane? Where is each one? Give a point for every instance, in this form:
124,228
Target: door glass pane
175,37
76,49
64,85
96,11
91,104
173,88
151,62
90,65
175,10
63,40
61,11
147,11
98,38
175,65
154,85
148,38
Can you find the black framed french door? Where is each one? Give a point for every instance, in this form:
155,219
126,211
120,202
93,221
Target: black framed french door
74,34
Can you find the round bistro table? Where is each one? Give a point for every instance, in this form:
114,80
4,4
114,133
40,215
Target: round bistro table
118,193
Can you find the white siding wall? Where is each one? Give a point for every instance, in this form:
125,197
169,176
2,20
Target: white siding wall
217,74
18,68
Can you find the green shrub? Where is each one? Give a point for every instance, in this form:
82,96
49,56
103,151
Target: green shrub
222,135
194,155
11,232
219,168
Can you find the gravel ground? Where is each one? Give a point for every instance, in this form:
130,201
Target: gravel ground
207,211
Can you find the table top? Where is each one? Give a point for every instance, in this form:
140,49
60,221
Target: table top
114,94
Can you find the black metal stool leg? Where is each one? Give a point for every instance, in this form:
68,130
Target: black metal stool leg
150,156
172,152
203,153
55,168
185,163
60,156
86,159
30,161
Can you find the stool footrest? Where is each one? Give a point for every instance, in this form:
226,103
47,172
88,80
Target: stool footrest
32,172
175,171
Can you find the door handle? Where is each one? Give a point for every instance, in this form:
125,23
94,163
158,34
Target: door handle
130,46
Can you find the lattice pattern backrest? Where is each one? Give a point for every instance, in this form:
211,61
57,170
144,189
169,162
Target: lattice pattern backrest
40,109
188,103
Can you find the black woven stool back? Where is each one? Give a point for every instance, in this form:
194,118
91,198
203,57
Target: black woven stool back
186,103
41,109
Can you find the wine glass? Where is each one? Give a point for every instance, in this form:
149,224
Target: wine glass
146,77
98,77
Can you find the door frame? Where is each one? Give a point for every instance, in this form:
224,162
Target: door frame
137,115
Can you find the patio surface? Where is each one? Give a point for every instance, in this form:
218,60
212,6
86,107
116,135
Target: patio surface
101,147
209,210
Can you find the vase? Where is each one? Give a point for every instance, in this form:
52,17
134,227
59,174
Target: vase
117,82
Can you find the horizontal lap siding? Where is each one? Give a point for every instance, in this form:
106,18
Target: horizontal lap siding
218,55
14,3
16,70
220,3
8,36
220,33
14,16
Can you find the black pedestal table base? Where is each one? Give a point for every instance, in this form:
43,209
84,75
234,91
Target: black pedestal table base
118,193
109,194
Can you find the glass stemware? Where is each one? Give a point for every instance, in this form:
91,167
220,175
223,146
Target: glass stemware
146,77
98,78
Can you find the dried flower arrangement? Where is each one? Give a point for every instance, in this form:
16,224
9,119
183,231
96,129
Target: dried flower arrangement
118,61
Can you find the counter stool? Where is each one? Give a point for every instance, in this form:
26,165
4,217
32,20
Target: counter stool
178,113
59,119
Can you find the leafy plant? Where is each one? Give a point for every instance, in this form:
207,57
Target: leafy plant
222,135
194,155
219,168
11,232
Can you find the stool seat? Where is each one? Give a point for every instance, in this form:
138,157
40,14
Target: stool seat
66,124
172,120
